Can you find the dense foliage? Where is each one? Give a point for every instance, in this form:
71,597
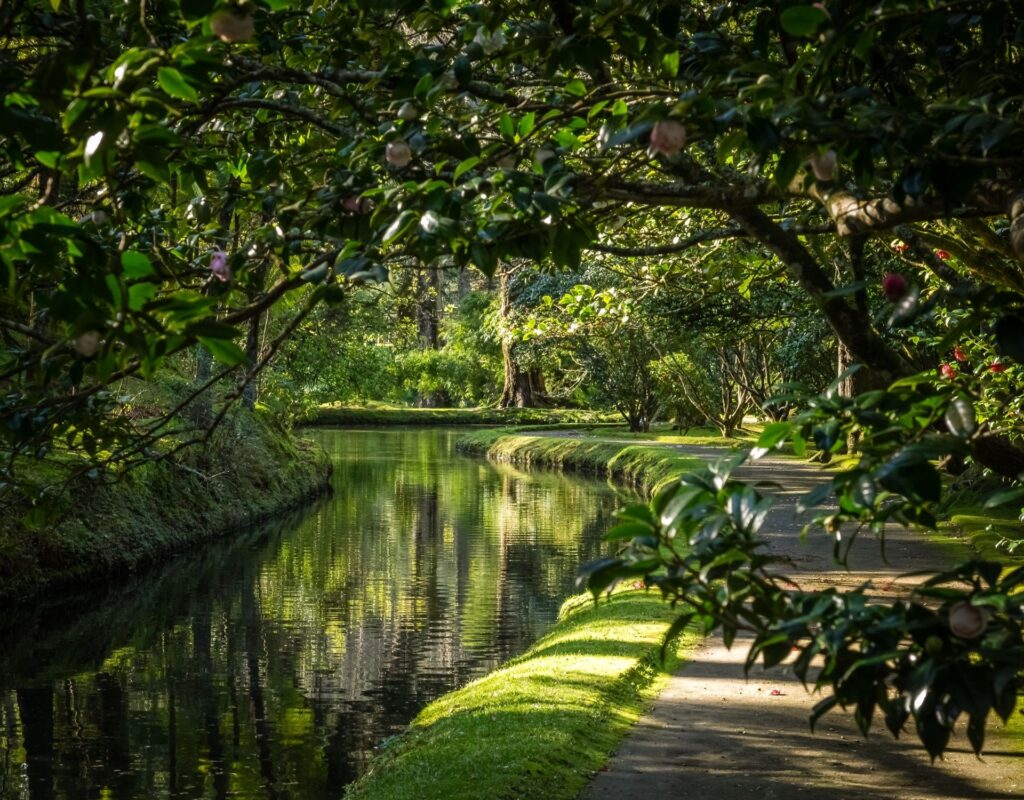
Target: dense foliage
204,176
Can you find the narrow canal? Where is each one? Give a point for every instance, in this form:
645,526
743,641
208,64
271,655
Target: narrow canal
271,664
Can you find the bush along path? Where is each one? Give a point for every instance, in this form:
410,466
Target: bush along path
713,732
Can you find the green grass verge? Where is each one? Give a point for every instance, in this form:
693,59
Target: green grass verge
249,470
539,726
401,415
645,467
991,533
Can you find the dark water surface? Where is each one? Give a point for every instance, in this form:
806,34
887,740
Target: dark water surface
271,664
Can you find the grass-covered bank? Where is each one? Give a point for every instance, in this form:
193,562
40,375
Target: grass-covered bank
381,414
645,467
250,469
539,726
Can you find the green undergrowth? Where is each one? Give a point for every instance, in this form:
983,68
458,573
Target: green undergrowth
991,533
250,469
539,726
645,467
378,414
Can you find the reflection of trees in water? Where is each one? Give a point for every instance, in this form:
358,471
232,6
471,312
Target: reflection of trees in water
271,664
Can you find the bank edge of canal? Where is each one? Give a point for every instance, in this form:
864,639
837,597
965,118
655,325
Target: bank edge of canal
251,470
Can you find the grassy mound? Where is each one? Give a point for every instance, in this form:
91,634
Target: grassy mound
643,466
542,724
249,470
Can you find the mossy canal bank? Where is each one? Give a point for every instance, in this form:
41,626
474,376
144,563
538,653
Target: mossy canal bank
644,466
540,725
250,469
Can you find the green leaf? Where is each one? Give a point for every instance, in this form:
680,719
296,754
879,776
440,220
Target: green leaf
224,350
136,265
506,126
466,166
670,64
174,83
802,20
576,88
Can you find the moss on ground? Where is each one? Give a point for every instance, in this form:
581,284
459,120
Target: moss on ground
645,467
539,726
403,415
249,470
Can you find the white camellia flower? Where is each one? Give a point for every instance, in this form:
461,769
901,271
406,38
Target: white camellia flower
87,344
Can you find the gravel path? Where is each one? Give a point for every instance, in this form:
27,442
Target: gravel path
713,734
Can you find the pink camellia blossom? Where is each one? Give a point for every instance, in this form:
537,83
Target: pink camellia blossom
219,266
894,286
398,153
824,165
668,137
948,371
959,354
995,366
229,25
942,254
967,621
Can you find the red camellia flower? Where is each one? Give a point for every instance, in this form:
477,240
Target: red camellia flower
959,354
948,371
995,366
667,138
943,254
899,247
894,286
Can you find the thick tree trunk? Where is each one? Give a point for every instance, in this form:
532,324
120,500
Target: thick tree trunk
520,386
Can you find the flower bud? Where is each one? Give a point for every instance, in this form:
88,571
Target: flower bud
894,286
995,366
398,153
948,371
824,165
668,138
959,354
410,112
87,344
219,266
942,255
229,25
967,621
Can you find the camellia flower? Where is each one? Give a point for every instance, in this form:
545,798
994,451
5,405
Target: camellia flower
894,286
967,621
948,371
409,112
230,26
995,366
824,165
668,137
942,254
87,344
398,153
219,266
959,354
898,246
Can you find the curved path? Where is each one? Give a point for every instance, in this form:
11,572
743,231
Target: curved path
714,734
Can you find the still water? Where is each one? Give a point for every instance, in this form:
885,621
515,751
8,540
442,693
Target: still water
271,664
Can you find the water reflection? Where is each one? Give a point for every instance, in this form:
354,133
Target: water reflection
272,664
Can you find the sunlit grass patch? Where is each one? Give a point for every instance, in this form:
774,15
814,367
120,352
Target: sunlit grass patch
383,414
543,723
